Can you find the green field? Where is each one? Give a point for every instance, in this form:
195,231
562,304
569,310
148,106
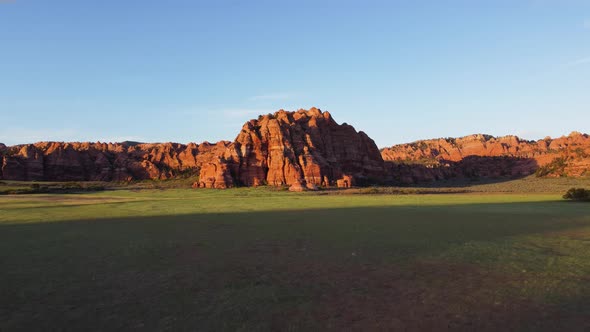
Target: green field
260,259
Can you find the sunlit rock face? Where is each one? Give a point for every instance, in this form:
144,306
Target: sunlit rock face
488,156
304,149
306,146
58,161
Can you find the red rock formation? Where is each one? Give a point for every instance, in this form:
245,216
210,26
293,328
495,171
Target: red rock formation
27,164
215,175
54,161
455,149
2,152
345,182
311,186
297,187
498,156
308,147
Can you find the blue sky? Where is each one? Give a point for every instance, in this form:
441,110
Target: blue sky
190,71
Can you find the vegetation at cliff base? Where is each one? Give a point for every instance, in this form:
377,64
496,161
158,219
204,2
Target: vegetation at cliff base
578,194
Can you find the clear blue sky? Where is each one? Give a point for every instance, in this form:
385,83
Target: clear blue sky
187,71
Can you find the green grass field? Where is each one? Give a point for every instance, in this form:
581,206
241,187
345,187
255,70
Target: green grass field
257,259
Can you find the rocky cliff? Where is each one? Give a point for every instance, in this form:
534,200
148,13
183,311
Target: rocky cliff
55,161
302,149
306,147
488,156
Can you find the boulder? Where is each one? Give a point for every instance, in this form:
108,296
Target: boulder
215,175
297,187
346,181
311,186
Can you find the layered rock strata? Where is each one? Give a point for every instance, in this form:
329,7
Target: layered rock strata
306,147
304,150
488,156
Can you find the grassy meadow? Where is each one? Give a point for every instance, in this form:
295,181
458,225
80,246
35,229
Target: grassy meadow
491,257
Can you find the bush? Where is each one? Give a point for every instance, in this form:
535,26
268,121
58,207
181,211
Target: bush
72,186
370,191
95,187
556,167
578,194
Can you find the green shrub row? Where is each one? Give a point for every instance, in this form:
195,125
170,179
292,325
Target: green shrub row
577,194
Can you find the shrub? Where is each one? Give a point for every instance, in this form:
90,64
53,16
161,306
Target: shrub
556,167
72,186
95,187
370,191
578,194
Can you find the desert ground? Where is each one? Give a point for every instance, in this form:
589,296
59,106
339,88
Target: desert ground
494,256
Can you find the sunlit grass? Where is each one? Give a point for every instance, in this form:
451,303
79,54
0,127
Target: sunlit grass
126,203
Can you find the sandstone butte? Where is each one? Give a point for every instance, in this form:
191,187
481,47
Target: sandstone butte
305,149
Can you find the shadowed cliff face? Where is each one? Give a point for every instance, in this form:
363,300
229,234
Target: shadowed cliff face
2,152
468,168
508,155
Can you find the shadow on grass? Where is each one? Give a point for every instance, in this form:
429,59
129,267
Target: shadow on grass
330,269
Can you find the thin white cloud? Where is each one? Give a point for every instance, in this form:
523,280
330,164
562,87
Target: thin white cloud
271,96
587,24
530,134
19,136
119,139
14,136
242,112
578,62
227,113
